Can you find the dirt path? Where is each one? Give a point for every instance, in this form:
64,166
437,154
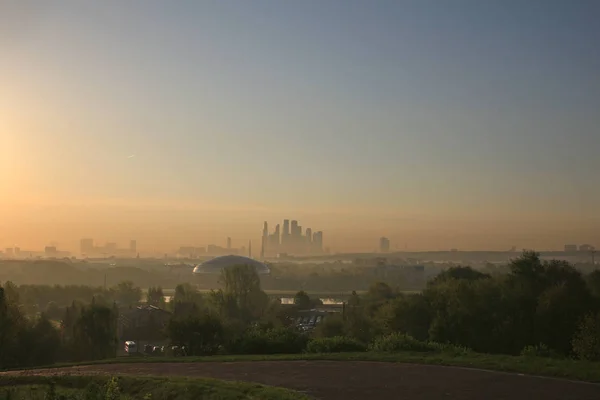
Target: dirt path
331,380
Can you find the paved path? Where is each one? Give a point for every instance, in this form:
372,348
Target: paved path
333,380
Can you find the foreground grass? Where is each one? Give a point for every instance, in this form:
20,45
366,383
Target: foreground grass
558,368
79,387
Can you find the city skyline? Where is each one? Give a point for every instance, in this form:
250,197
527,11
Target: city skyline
470,125
291,240
89,247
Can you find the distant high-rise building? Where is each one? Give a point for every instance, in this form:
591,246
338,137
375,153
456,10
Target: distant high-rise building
318,241
264,242
295,228
277,233
286,227
308,235
50,251
384,245
285,235
133,246
228,243
273,242
86,246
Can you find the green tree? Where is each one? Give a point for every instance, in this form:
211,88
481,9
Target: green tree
560,309
201,335
12,324
380,291
42,342
155,297
94,333
593,283
302,300
586,341
242,285
410,314
126,293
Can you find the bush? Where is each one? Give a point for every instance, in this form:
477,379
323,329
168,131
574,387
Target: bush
450,349
397,342
337,344
270,341
331,326
539,350
586,341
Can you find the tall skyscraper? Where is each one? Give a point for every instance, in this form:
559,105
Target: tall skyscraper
264,242
133,246
308,235
277,234
384,245
294,228
273,244
318,241
286,227
285,236
228,243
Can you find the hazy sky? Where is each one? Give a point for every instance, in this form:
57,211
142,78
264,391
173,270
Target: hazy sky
470,124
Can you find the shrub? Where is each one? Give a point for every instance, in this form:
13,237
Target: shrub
586,341
539,350
270,341
450,349
331,326
397,342
337,344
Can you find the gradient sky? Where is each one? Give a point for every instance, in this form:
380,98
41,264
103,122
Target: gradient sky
470,124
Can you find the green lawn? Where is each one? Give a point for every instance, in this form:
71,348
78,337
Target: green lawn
561,368
80,387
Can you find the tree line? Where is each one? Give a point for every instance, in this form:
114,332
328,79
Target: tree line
544,308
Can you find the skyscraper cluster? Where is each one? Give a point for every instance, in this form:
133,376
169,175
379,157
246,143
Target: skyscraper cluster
291,240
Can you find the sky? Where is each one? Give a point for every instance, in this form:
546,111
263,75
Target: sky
441,124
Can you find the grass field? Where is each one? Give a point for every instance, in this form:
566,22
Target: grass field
560,368
81,387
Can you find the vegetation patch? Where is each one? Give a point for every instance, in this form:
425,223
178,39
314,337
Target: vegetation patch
122,388
337,344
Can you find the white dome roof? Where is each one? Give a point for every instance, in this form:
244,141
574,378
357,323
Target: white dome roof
217,264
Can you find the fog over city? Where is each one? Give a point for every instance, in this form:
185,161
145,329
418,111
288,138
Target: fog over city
333,200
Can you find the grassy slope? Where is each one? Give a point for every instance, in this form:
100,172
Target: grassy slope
570,369
35,387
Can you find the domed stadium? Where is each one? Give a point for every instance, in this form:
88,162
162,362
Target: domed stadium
218,264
